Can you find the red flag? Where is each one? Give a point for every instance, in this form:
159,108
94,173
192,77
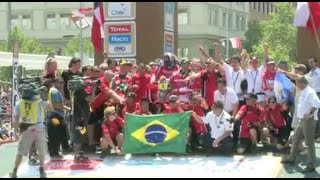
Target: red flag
314,8
97,32
85,10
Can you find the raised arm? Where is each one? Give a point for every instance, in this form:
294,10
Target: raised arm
244,55
217,54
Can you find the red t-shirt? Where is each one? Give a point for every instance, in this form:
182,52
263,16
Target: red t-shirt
275,116
177,82
164,71
268,80
200,128
100,99
129,109
142,82
196,84
112,128
210,86
169,110
249,114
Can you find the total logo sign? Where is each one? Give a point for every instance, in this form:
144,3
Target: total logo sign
168,42
121,39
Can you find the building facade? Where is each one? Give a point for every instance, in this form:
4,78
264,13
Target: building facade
204,23
49,22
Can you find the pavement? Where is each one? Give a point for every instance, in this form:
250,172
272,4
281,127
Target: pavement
262,165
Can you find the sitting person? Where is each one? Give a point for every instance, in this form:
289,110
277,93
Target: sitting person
112,130
130,106
219,139
144,107
275,125
251,116
174,105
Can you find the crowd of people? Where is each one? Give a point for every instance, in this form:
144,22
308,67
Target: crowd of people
232,101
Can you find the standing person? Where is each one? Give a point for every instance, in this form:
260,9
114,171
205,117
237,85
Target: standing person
177,84
307,104
112,65
234,74
219,139
314,75
169,66
228,97
57,128
268,79
50,68
251,117
140,82
30,115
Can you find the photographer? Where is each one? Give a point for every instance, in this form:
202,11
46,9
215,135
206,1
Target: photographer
30,112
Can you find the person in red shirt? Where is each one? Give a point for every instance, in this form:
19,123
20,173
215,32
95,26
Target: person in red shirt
177,84
268,79
197,105
174,106
130,106
158,107
112,65
169,66
196,84
112,130
140,82
104,93
275,124
144,107
251,116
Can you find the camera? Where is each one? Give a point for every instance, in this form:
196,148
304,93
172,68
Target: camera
79,83
32,88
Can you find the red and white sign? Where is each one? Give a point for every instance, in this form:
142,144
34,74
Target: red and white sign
119,29
120,39
71,165
168,38
168,42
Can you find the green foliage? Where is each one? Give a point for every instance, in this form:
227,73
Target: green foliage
27,44
253,36
279,33
7,71
73,47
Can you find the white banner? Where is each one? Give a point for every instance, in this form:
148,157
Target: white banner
15,65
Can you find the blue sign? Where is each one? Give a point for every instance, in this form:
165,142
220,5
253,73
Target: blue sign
169,7
168,48
116,39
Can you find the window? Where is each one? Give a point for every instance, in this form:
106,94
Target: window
14,21
238,22
230,19
259,9
182,52
213,17
65,21
51,21
254,5
26,22
183,16
224,19
243,23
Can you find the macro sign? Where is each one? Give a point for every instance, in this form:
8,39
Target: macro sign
120,39
168,42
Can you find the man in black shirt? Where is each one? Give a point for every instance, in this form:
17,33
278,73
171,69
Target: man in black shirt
74,70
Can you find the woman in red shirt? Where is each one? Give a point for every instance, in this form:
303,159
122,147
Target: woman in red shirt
275,126
112,130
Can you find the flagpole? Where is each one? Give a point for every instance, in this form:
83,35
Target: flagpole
314,27
227,32
80,39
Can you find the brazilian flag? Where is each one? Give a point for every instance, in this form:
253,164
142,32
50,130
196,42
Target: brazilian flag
156,133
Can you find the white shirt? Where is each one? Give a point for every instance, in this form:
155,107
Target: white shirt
219,125
228,98
234,79
315,79
254,79
307,100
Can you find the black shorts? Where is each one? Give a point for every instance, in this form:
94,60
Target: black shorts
282,134
244,143
94,117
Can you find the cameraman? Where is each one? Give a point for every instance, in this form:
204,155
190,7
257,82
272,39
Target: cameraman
30,112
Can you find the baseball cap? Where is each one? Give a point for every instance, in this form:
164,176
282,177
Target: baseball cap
271,62
173,98
124,62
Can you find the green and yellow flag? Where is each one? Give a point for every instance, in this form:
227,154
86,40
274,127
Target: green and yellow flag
156,133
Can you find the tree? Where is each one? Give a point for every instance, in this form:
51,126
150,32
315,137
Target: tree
27,44
73,47
279,33
253,36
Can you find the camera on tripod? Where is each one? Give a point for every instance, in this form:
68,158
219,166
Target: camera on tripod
80,83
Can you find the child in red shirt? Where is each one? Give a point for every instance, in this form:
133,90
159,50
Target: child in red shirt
112,129
144,107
